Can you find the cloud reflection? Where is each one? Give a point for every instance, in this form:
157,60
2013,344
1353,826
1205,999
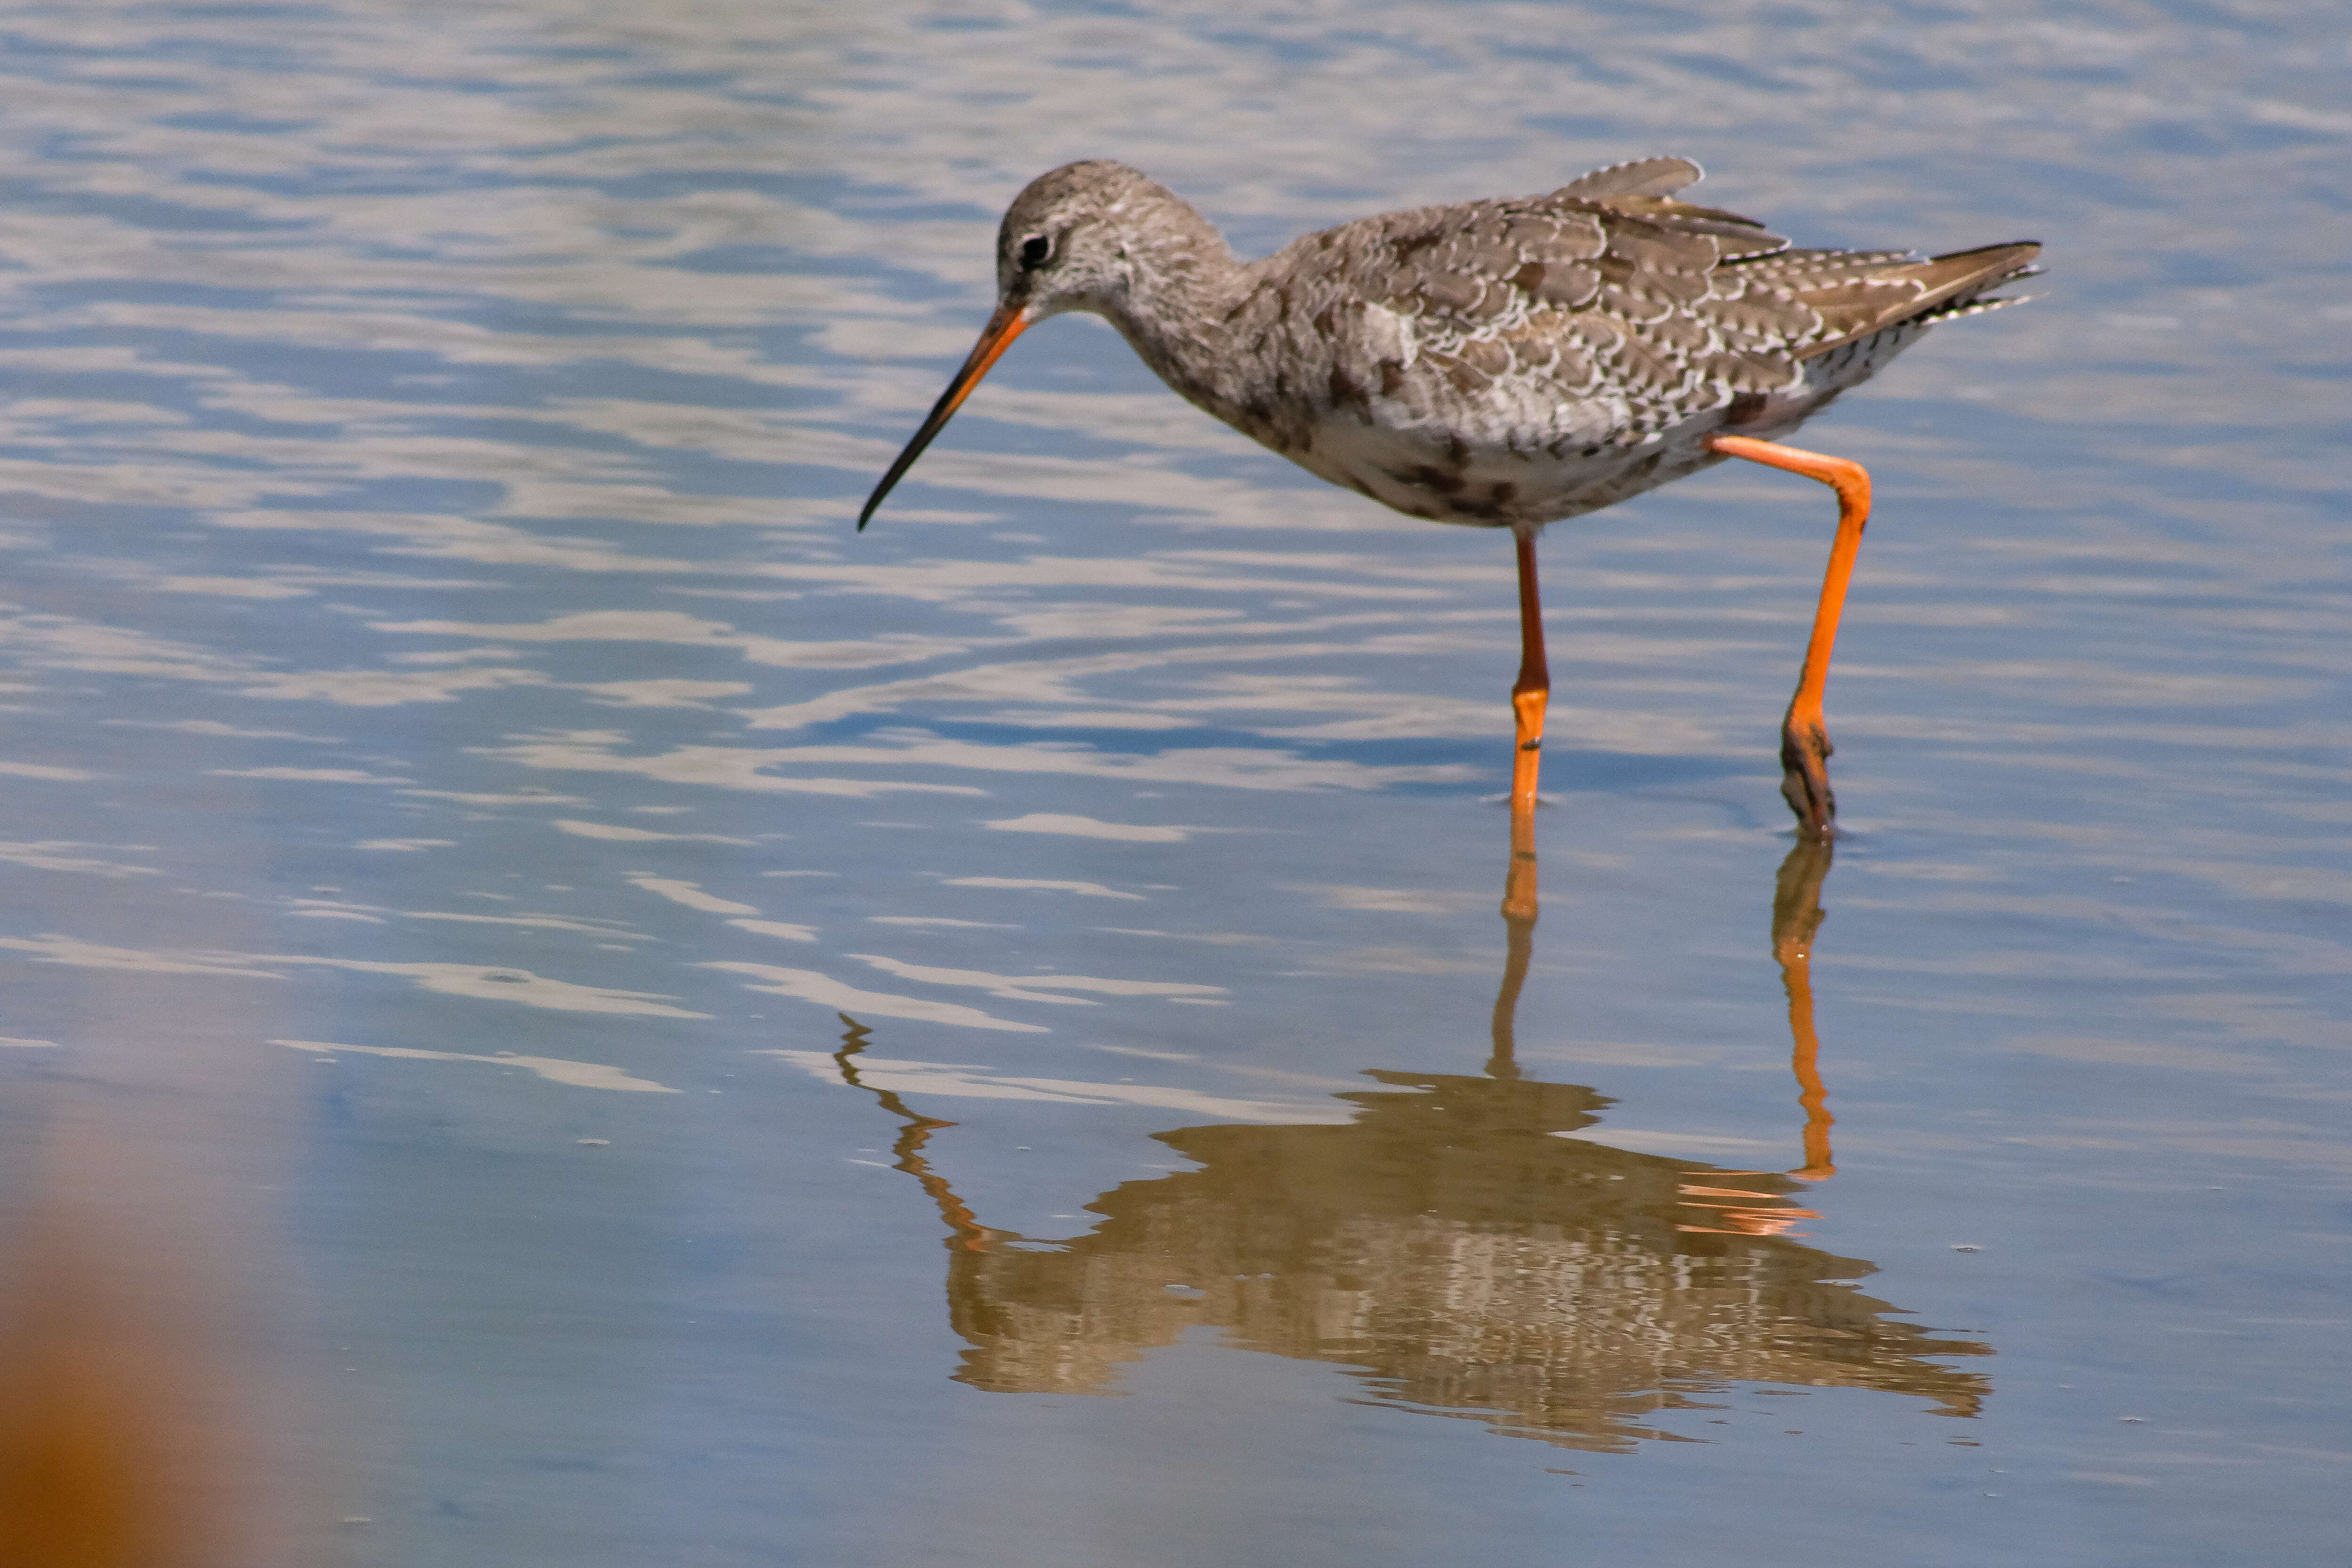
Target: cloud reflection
578,1074
485,982
810,986
1040,884
964,1081
1035,988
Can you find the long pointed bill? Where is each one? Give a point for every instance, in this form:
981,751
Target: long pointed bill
1003,327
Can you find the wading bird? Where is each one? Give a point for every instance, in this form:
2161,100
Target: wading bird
1501,364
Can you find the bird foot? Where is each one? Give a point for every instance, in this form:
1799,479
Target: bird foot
1805,782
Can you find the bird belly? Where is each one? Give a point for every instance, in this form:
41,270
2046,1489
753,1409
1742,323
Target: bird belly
1448,477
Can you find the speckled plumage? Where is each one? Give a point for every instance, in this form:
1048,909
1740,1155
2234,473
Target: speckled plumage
1505,362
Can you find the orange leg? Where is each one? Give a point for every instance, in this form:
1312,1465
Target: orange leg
1804,741
1532,692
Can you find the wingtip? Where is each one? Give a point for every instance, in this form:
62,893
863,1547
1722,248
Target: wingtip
2023,253
1658,177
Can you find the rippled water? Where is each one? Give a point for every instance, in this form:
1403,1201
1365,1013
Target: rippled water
565,1008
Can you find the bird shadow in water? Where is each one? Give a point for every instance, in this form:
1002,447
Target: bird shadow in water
1456,1246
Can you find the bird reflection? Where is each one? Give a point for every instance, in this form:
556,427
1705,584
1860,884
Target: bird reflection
1456,1247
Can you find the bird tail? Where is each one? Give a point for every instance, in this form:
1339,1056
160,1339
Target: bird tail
1859,302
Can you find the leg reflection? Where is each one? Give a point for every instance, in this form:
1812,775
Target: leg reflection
1796,916
1520,929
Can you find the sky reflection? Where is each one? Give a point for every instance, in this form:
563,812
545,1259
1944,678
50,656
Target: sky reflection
434,624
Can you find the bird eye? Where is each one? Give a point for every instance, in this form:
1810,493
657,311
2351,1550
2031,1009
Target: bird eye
1035,250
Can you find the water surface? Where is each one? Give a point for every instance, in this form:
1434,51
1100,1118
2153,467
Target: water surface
575,1010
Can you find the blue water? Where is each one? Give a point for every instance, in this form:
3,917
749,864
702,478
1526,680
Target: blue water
464,766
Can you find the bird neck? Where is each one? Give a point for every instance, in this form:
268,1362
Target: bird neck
1184,298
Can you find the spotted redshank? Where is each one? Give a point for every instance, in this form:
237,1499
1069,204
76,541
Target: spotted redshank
1500,364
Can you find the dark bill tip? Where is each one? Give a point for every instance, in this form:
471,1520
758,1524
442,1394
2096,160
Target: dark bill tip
1003,327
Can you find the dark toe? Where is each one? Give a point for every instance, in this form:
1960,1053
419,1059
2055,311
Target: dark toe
1805,780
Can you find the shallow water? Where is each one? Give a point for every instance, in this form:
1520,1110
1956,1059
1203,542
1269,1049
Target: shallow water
464,770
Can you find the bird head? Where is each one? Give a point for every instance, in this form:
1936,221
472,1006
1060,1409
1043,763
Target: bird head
1077,239
1073,239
